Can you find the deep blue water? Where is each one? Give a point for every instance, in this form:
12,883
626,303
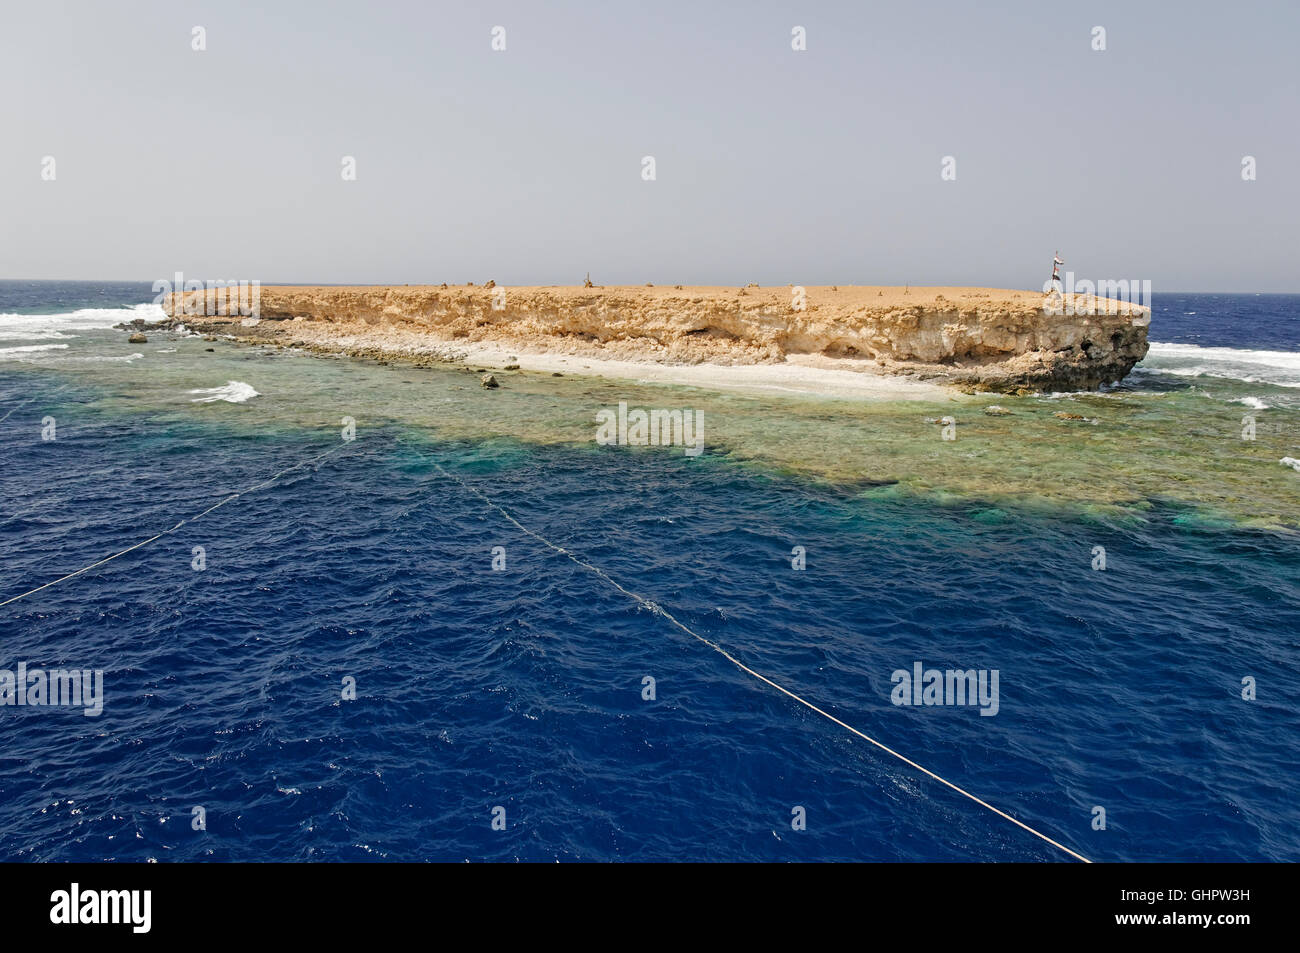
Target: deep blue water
22,296
1269,322
523,688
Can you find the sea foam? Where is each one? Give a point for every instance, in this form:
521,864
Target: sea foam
30,349
37,326
1281,368
234,392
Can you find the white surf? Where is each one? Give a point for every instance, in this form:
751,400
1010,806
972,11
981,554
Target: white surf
1280,368
234,392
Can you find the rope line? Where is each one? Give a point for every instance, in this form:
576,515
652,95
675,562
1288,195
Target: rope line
31,399
145,542
653,607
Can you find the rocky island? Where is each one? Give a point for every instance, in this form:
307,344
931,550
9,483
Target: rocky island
976,339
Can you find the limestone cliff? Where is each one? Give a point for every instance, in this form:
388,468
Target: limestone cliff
976,338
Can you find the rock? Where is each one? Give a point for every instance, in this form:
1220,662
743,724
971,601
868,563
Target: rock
512,367
976,339
213,349
137,338
996,410
556,374
1064,416
488,381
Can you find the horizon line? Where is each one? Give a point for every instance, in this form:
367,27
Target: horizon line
392,284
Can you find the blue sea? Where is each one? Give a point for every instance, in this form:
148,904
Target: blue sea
327,666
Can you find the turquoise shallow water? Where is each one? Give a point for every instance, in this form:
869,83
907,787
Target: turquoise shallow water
522,688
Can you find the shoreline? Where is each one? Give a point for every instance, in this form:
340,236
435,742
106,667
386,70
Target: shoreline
842,378
826,377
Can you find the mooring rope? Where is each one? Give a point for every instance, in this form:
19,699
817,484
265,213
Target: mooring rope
29,400
653,607
145,542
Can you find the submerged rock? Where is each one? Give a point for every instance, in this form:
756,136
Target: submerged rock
488,381
997,410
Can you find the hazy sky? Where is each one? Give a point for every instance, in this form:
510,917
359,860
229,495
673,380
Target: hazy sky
774,166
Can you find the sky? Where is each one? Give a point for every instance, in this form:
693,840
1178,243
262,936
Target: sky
525,165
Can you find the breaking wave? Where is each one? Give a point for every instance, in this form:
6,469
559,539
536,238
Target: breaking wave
1280,368
20,327
234,392
29,349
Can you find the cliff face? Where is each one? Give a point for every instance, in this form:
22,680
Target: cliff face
977,338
